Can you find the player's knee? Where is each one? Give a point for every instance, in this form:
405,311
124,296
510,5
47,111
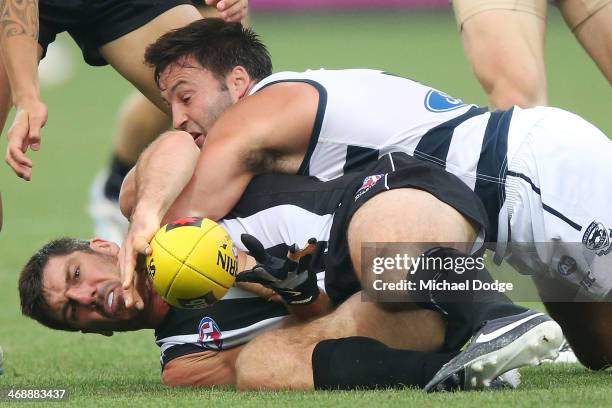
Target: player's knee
593,348
524,91
594,358
509,84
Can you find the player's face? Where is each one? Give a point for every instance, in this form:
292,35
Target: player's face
196,97
84,291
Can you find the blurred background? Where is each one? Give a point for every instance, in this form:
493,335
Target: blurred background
413,38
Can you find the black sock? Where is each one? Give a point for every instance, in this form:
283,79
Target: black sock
362,362
118,170
467,311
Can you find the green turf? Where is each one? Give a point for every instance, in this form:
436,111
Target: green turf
124,370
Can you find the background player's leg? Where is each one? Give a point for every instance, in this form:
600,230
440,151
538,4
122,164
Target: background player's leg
139,121
126,54
291,348
506,51
594,33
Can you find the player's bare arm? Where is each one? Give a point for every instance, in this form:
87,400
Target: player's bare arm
159,177
263,133
20,52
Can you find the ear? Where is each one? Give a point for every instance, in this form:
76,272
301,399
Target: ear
104,246
104,333
238,82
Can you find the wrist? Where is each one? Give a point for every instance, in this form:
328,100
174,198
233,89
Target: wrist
146,215
26,97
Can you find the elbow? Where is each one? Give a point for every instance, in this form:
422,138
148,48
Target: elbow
174,378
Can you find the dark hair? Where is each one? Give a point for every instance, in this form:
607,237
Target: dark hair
217,45
33,303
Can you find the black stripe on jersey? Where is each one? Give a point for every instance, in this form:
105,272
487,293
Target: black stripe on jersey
546,207
358,157
434,144
178,351
490,173
229,314
316,129
271,190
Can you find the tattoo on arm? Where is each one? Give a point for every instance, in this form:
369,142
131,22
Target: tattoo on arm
19,17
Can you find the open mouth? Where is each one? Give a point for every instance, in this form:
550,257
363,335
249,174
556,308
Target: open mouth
113,301
198,138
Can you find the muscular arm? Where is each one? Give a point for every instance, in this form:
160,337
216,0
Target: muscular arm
19,44
263,133
19,50
159,177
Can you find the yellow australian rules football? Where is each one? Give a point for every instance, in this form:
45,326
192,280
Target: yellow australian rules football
193,262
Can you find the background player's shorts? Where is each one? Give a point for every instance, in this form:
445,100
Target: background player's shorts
558,203
576,12
95,23
392,171
465,9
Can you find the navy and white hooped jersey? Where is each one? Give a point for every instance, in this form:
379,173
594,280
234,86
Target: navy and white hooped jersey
364,114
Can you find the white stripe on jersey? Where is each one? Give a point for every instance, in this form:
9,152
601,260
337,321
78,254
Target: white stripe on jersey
464,151
282,224
230,338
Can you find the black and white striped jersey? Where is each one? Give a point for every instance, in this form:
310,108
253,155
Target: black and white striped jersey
364,114
279,210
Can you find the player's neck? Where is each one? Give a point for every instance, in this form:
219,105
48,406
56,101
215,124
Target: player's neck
159,310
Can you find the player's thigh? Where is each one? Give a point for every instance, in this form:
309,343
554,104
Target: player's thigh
588,329
389,223
505,47
286,354
126,54
591,22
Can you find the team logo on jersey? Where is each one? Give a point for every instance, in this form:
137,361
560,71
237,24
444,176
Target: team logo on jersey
184,222
597,238
436,101
367,184
210,335
567,265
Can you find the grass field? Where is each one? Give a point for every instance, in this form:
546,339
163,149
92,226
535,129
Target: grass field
124,369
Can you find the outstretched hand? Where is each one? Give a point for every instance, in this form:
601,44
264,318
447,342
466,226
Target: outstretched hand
290,276
230,10
141,232
24,134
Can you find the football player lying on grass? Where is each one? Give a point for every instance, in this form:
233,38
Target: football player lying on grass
359,344
324,123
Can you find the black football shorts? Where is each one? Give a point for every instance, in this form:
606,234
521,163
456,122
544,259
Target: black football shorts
93,23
